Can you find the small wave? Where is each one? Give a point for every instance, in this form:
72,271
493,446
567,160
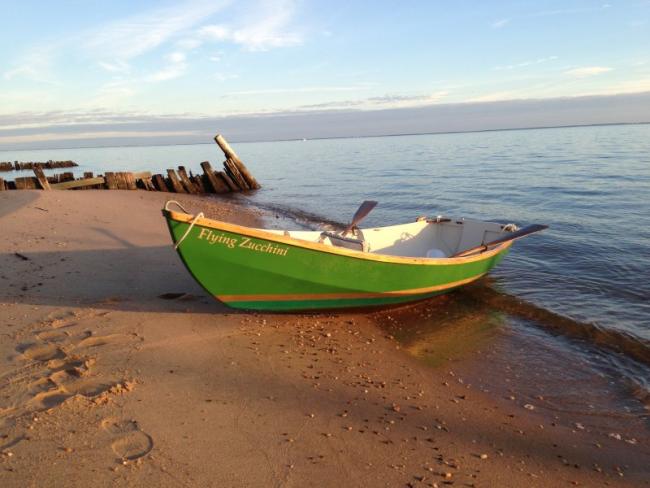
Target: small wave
612,340
307,220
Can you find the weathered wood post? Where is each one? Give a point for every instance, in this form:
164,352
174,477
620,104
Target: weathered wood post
218,185
40,177
241,167
229,182
175,183
185,180
159,183
26,183
111,180
129,180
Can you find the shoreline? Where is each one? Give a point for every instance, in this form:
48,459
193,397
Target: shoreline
106,378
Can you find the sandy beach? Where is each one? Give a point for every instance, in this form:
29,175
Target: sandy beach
117,369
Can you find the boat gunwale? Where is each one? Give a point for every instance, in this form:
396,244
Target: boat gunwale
316,246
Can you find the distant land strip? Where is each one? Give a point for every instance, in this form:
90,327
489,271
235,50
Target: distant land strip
50,130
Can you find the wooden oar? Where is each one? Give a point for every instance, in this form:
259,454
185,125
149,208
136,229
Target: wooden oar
530,229
363,210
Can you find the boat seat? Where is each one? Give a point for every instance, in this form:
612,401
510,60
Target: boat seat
355,243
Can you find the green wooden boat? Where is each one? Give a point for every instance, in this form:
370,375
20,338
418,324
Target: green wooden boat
258,269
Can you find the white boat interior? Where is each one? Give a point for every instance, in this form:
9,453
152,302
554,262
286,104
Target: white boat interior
425,238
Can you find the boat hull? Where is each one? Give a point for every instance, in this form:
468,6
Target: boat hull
256,270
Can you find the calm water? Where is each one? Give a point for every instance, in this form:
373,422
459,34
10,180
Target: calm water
587,278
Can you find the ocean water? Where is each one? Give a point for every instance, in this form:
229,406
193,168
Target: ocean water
584,284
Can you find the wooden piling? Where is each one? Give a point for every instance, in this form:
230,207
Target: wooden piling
26,183
129,180
40,177
159,183
111,180
185,180
218,184
197,180
78,184
18,166
121,181
87,175
234,177
147,183
174,181
228,181
251,182
233,171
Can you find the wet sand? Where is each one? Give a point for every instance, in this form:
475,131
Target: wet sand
117,368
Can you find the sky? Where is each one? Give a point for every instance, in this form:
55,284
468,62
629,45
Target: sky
87,72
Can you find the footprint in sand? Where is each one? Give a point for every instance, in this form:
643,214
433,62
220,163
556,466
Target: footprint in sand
49,399
70,380
39,386
95,341
78,366
52,335
41,352
130,443
51,374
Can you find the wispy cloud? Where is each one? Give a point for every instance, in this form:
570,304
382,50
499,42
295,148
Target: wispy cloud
306,89
27,70
176,66
569,11
498,24
188,44
111,94
94,135
114,67
113,45
633,86
133,36
523,64
587,71
34,65
269,28
381,102
498,96
224,76
95,116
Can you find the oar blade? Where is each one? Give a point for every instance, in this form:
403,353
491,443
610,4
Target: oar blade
523,232
364,209
518,234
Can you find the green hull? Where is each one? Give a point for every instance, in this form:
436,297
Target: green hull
245,270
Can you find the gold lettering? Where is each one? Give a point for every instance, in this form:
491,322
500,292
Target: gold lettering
245,242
